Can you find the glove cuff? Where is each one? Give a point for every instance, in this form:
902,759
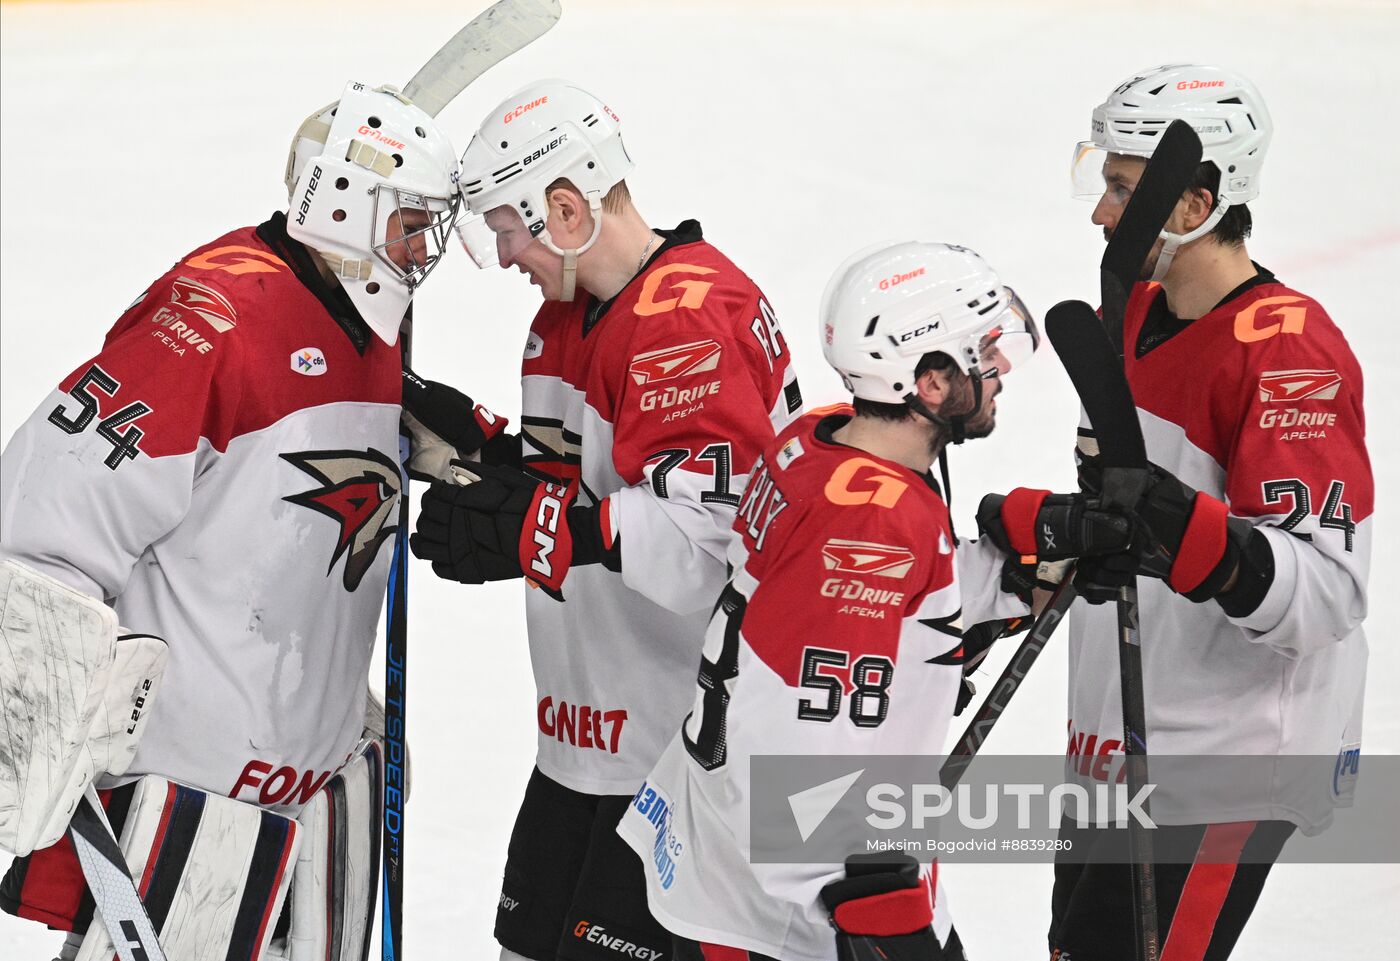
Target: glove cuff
595,539
1256,572
894,913
881,895
1018,515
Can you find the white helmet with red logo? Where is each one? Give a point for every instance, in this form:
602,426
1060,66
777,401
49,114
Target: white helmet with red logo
1224,108
548,130
362,173
890,304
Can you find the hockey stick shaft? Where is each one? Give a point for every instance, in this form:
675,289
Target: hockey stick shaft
1166,178
1091,360
109,879
494,34
395,708
975,735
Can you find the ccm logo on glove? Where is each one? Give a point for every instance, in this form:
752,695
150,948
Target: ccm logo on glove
547,508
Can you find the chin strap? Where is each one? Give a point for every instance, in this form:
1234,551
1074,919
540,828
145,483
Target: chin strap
947,482
569,282
1172,242
957,423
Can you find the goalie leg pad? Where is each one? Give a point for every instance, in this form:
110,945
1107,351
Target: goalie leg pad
337,872
73,701
213,872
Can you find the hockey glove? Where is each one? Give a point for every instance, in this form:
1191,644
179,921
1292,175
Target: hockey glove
977,643
505,524
444,425
882,910
1191,542
1037,525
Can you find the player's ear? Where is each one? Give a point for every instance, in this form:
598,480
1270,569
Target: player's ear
932,388
1192,210
569,217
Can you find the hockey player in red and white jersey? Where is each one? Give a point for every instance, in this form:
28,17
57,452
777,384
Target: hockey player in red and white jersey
653,375
224,473
1259,516
834,634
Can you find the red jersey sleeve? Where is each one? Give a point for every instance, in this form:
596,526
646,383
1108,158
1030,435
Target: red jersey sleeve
1298,467
699,394
106,464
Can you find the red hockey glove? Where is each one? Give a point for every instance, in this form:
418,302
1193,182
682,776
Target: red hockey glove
882,910
505,524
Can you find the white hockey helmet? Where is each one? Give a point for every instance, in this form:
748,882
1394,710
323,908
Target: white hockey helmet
548,130
1224,108
362,173
890,304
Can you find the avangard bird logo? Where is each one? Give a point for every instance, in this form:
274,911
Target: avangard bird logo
360,490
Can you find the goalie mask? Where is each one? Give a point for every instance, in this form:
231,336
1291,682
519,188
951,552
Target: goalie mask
542,133
371,181
1224,109
889,305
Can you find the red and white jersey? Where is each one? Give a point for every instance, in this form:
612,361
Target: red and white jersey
224,473
1257,403
657,401
845,594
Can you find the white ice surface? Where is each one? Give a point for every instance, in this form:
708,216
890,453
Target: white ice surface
797,132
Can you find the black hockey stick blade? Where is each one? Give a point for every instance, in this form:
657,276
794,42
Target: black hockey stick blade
1096,370
1169,172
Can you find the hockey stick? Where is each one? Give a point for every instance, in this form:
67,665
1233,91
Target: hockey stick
494,34
395,706
109,879
1087,351
1165,179
1014,673
1167,176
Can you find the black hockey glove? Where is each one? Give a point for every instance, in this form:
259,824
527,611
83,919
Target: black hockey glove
977,642
504,523
1191,542
445,424
882,910
1037,525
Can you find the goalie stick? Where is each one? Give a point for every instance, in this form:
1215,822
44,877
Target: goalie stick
109,879
493,35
